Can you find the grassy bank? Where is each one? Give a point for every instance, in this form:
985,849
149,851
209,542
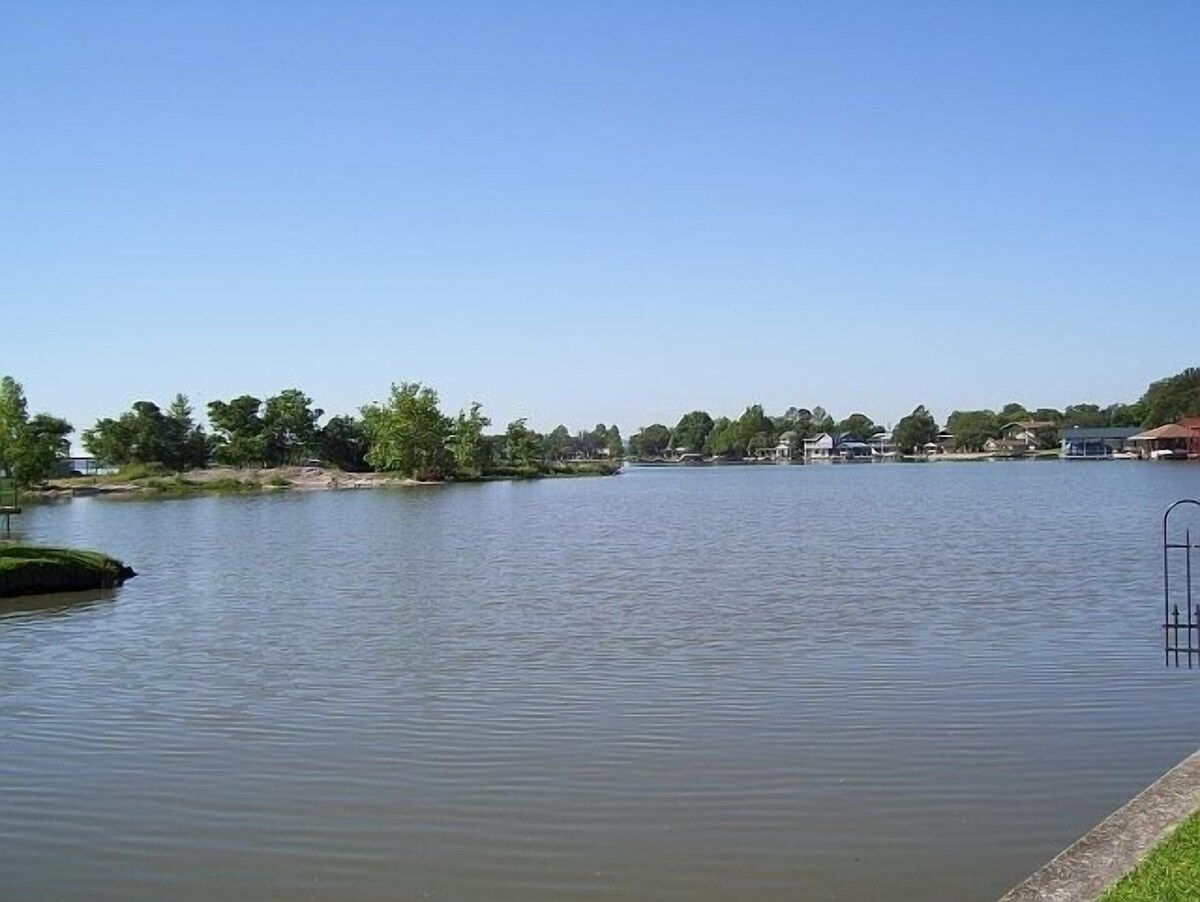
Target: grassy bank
153,481
1170,873
26,570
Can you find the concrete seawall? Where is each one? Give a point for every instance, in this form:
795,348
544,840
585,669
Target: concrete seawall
1089,867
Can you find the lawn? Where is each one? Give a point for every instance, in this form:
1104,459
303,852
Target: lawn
1170,873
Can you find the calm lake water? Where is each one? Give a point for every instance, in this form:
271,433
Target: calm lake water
853,683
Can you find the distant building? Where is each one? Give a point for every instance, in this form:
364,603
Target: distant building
1028,432
1082,443
882,445
1164,443
1192,425
818,449
1007,447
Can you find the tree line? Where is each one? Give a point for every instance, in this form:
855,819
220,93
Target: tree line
697,432
409,434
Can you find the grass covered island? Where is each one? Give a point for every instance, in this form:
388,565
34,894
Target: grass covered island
27,570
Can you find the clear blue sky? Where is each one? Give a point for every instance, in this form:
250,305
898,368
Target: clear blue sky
615,211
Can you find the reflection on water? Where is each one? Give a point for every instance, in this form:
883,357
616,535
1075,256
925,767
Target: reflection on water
901,682
54,602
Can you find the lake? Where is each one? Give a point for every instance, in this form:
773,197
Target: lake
755,683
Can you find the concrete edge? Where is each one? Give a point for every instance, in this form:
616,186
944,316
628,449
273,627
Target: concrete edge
1085,870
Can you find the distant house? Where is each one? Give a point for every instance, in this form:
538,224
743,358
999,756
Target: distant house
1007,447
848,449
1166,442
1192,425
788,447
1029,432
1082,443
882,445
819,449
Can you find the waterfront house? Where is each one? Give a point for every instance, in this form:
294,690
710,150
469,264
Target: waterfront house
1007,447
848,449
1028,432
882,445
819,448
1083,443
1165,442
786,449
1192,425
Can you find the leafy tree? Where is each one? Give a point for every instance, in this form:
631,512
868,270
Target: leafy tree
240,439
858,427
144,434
289,427
343,444
914,431
30,448
723,439
613,443
972,428
1013,412
692,431
1169,400
651,441
1047,415
822,422
1084,416
1124,415
471,451
522,445
755,429
800,421
187,444
559,444
408,433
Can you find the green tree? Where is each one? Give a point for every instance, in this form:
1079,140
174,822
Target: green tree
822,422
1124,415
471,451
1084,416
240,440
187,443
408,433
723,439
972,428
1169,400
559,444
651,441
523,446
144,434
858,427
914,431
692,431
1012,412
289,427
30,448
343,444
800,421
612,442
754,430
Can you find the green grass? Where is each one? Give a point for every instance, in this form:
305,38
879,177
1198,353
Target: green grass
1170,873
27,570
179,485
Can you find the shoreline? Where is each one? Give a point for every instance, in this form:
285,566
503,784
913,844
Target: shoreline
223,480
